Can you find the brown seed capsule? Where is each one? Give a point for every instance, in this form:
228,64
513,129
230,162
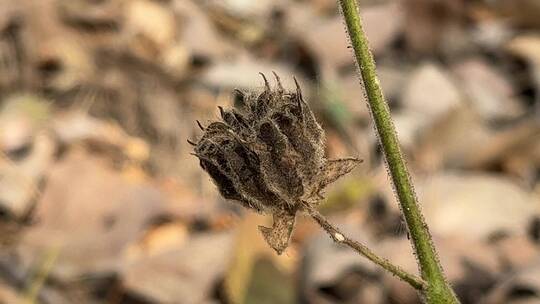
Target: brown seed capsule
269,157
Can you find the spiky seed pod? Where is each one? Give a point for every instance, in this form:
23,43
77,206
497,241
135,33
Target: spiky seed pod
269,157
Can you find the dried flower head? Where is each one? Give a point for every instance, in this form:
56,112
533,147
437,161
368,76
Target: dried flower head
269,157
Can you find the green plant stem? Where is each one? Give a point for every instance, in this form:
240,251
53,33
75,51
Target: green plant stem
438,290
40,277
363,250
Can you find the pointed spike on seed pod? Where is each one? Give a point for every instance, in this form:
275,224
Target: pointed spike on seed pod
191,143
266,83
221,112
298,89
239,93
278,81
299,98
233,134
336,168
194,154
200,125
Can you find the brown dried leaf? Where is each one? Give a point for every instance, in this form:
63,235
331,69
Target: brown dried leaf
93,220
489,91
182,274
279,235
336,168
521,288
476,205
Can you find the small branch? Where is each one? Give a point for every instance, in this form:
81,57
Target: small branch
339,237
438,289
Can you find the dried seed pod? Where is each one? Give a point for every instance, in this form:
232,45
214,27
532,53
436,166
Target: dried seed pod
269,157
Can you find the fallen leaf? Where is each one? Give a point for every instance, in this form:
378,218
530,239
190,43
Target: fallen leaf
149,28
159,239
435,27
490,93
92,221
520,12
184,274
471,267
452,140
328,38
521,288
516,252
456,203
431,92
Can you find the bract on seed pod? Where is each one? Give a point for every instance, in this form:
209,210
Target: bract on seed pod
269,157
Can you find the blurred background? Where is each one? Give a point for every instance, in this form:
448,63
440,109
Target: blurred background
100,201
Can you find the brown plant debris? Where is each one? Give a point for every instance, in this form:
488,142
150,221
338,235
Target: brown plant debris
269,157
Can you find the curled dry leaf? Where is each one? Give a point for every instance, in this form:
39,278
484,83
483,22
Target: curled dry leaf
269,157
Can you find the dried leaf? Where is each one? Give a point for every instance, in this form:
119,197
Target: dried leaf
336,168
279,235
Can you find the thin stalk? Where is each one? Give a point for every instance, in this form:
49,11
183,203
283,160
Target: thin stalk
40,277
363,250
438,290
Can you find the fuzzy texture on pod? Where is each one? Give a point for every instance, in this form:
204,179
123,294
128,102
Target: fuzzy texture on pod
269,157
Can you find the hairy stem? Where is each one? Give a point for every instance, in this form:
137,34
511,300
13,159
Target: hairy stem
438,290
339,237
